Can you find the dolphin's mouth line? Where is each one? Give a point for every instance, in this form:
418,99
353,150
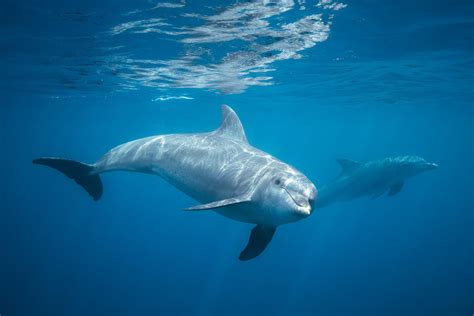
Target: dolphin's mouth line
291,196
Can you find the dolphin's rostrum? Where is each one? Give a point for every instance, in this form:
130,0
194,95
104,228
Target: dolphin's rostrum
219,169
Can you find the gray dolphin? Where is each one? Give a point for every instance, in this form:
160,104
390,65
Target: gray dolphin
373,178
220,169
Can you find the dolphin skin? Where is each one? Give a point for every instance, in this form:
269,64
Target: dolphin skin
219,169
372,179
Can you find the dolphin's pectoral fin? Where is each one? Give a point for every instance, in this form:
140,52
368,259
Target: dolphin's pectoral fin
221,203
394,189
259,239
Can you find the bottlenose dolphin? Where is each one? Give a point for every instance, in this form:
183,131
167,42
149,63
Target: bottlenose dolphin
373,178
219,169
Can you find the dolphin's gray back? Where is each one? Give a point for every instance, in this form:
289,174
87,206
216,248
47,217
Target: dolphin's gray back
206,166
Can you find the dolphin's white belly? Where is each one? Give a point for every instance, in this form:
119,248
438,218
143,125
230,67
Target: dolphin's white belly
206,167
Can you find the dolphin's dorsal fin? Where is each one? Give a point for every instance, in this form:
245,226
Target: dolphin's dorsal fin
348,165
230,125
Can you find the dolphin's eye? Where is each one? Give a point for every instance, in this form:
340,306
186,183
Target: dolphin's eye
277,182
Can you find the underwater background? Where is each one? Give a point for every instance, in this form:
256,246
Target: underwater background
311,81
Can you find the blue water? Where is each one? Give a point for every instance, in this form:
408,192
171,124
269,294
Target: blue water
364,80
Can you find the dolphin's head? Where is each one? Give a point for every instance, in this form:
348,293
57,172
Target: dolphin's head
287,195
413,165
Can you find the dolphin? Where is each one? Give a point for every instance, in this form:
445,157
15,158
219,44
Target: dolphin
220,169
372,179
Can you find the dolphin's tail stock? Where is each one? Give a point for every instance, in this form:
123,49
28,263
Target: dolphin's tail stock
81,173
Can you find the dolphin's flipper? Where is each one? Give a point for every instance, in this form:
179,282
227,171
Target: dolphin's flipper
221,203
259,239
347,165
394,189
80,172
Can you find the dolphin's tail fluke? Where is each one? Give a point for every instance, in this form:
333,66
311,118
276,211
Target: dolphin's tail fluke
78,171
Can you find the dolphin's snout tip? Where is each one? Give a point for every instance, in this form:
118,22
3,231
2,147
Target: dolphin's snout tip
308,208
312,198
304,211
432,166
311,202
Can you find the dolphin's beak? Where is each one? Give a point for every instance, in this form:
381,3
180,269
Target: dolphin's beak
303,203
304,211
